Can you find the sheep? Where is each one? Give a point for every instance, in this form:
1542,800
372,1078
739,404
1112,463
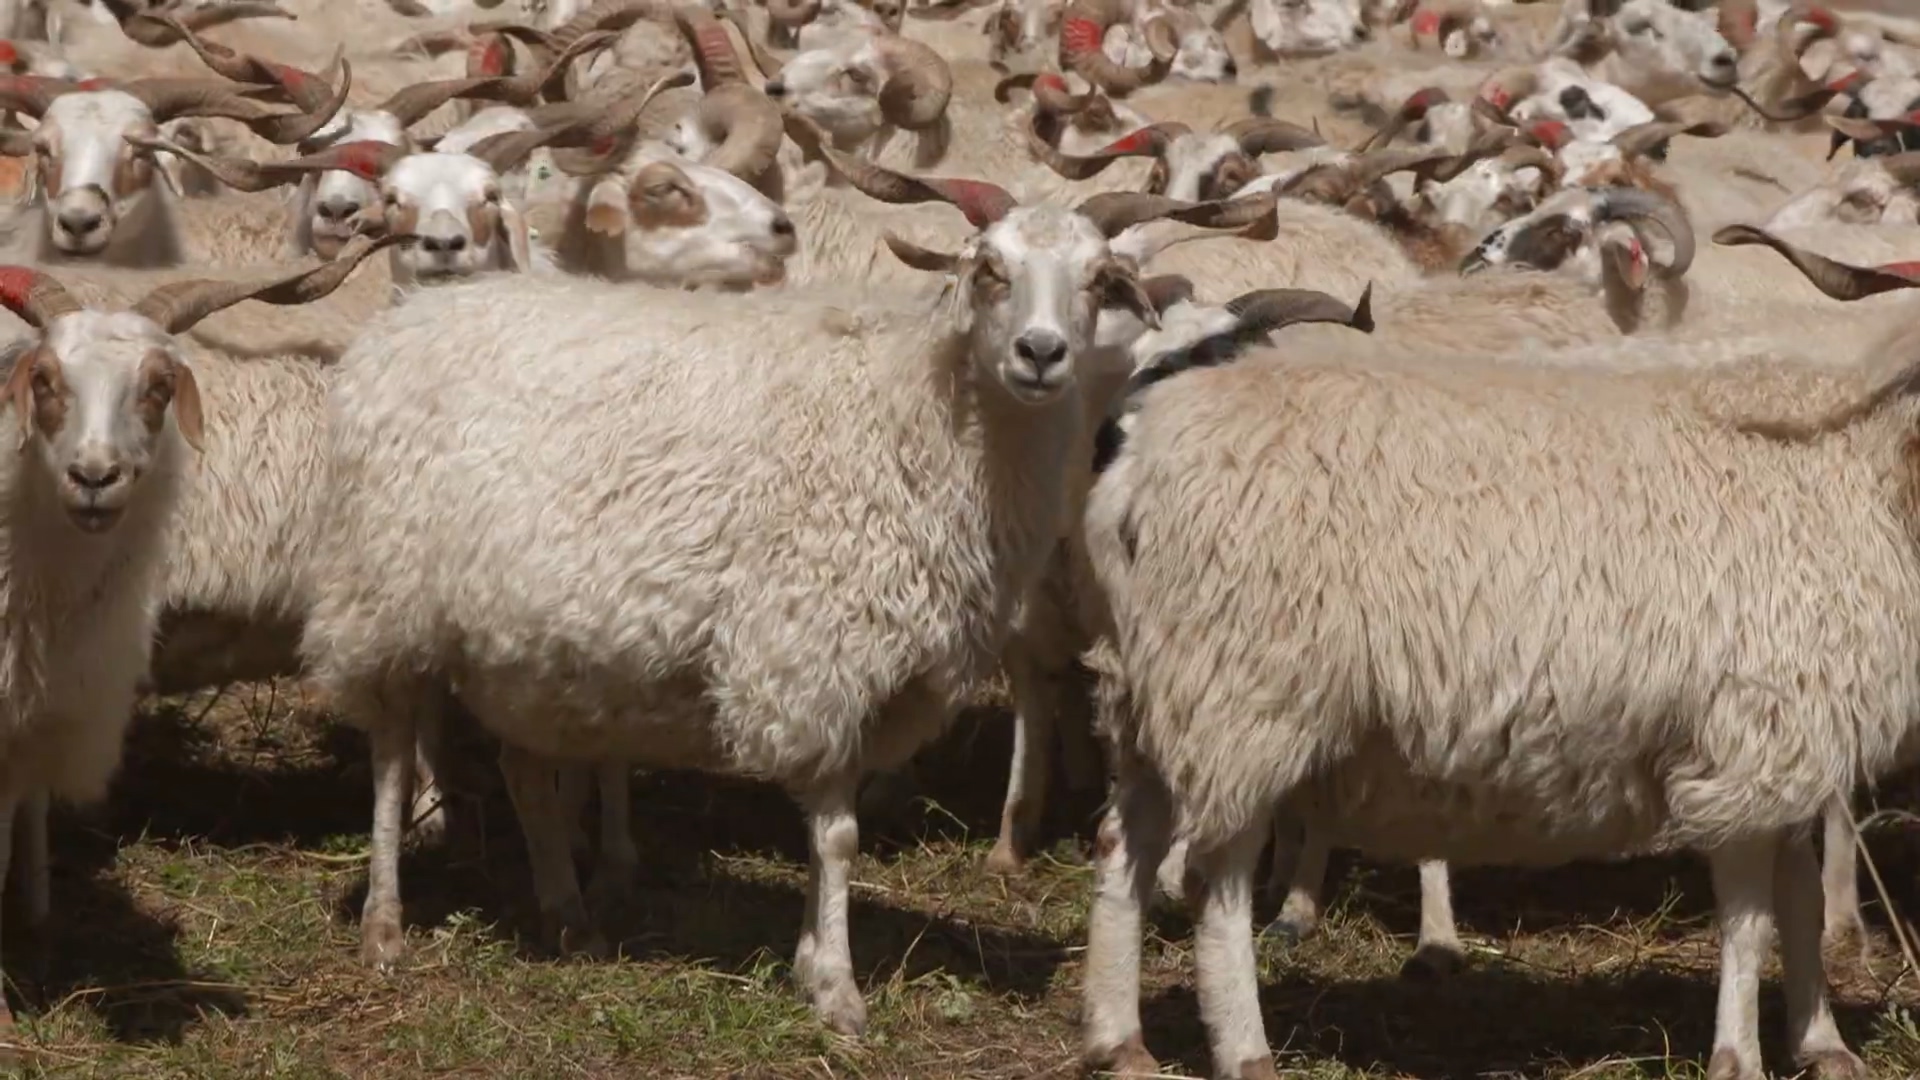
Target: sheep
98,201
1004,372
106,409
1864,191
1402,785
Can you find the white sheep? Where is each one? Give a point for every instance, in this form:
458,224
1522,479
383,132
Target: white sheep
1495,668
724,642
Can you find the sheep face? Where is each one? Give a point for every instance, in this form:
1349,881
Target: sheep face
327,206
1199,167
1022,27
451,205
1861,193
1487,194
691,225
1657,42
89,174
1033,284
1540,240
838,87
1592,109
91,397
1203,57
1307,27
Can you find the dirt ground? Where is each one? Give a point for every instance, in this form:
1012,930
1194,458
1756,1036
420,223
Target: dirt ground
205,926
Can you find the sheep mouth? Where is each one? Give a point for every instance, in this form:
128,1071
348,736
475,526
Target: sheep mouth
1727,83
94,519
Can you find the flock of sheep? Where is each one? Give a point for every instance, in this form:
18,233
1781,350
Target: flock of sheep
1344,385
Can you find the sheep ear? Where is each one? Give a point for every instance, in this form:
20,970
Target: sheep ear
1118,287
607,209
20,391
187,414
519,244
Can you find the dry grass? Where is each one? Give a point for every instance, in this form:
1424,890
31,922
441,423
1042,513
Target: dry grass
204,928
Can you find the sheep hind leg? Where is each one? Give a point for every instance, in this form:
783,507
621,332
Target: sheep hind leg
9,1045
1033,735
383,939
1797,900
32,866
427,813
1128,852
1743,886
533,784
619,860
823,963
1227,967
1845,935
1439,953
1300,915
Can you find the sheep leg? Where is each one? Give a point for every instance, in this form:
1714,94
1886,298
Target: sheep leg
8,801
823,963
1439,952
1128,851
619,861
1170,878
1033,734
1810,1028
34,868
383,941
1743,877
575,782
1846,930
1289,835
532,782
1080,755
1300,916
1226,966
427,814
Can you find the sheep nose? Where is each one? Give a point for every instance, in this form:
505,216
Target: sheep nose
80,222
93,477
775,88
337,208
1232,69
448,245
1725,61
1044,349
782,225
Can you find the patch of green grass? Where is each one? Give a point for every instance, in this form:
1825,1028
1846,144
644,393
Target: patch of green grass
205,927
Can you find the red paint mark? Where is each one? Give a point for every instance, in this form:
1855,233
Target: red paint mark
98,82
291,78
1848,83
9,54
1909,270
365,159
1417,105
1052,81
1821,18
1638,253
16,283
488,57
603,145
1426,23
1551,134
983,204
1079,36
1140,142
1497,96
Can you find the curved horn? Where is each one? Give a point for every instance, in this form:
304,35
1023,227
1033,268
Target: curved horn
1411,111
1262,135
365,158
1641,139
1836,279
303,88
1163,39
1050,93
1149,141
1374,165
712,49
1083,27
1267,310
919,84
31,94
34,296
1115,212
982,202
1793,109
178,305
411,104
748,126
169,99
605,15
1634,205
764,58
609,130
158,30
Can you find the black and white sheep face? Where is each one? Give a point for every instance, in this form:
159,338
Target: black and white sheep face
685,224
328,206
91,398
1860,192
1307,27
1540,240
1487,194
89,174
452,206
1592,109
1034,283
1657,42
1198,167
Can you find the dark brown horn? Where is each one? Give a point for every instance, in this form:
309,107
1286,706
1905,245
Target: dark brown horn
367,159
1375,165
982,202
1267,310
178,305
158,29
31,94
1412,111
1836,279
1166,290
1798,108
170,99
1634,206
34,296
1163,39
1493,143
712,49
1149,141
1262,135
304,88
1083,27
615,15
1114,212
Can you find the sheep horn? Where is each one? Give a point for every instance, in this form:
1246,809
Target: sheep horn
178,305
1267,310
1374,165
1411,111
1165,290
159,29
1634,205
712,49
412,104
1262,135
31,94
919,85
605,15
1083,27
610,133
1904,168
366,158
748,126
1115,212
1050,93
983,203
169,99
1485,145
503,152
1149,141
303,88
1163,40
1836,279
792,13
1522,156
34,296
764,58
1793,109
1641,139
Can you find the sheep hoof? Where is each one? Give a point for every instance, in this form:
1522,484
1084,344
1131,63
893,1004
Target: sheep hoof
1834,1065
382,944
1290,929
1260,1068
1726,1065
1004,858
1130,1058
572,934
1846,944
1432,963
841,1008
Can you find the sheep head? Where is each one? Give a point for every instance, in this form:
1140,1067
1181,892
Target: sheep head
1293,28
1571,229
1862,192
